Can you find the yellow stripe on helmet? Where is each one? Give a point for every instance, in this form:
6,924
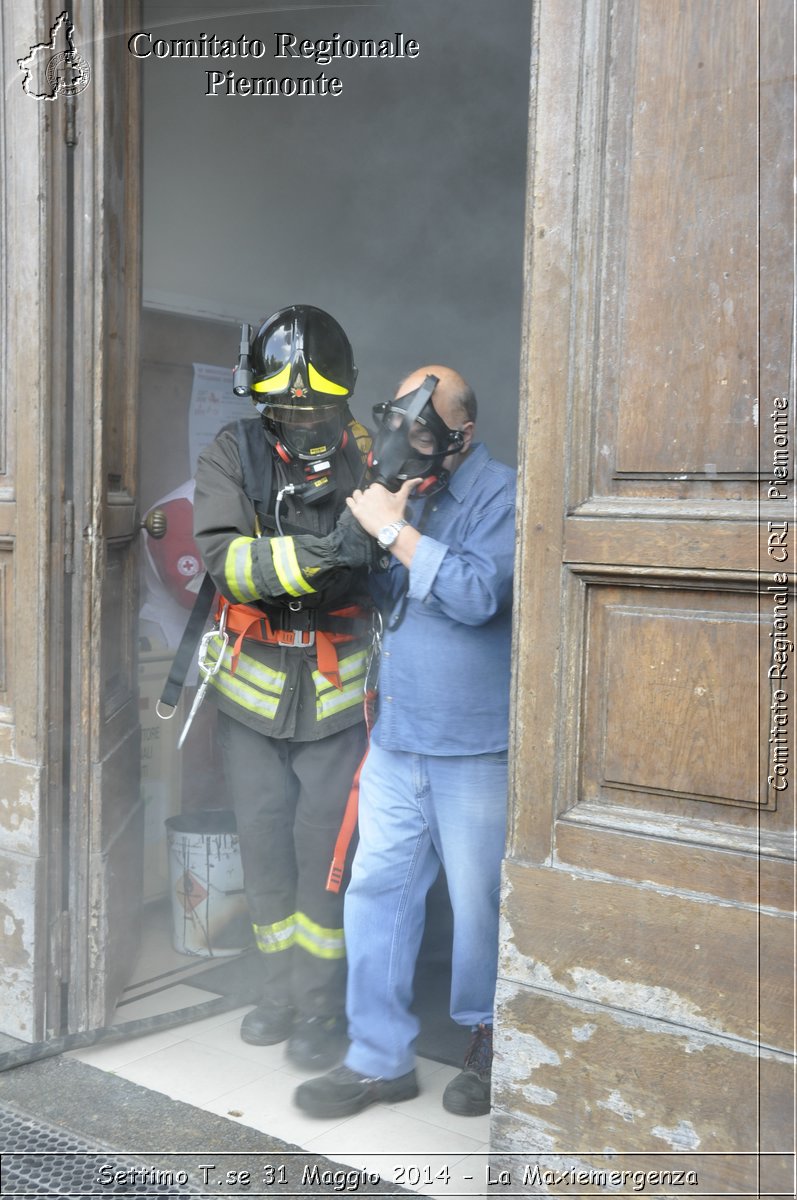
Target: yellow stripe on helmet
274,383
319,384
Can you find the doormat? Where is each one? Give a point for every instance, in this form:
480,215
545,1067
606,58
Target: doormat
40,1160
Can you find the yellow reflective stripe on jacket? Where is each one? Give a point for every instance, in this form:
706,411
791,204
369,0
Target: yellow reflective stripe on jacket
280,936
328,699
251,670
299,930
253,686
316,940
348,668
238,569
286,564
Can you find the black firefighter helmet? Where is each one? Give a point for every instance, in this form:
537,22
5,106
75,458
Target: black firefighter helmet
303,374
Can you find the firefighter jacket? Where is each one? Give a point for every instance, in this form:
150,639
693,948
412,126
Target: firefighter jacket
292,576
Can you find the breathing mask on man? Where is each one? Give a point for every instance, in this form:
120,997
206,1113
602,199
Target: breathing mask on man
412,441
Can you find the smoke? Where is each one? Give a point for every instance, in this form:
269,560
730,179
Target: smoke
397,205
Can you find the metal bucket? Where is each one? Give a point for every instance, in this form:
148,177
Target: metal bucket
209,912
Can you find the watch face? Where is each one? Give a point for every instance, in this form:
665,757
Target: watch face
388,535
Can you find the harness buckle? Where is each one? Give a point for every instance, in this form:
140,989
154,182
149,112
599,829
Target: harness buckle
299,636
299,622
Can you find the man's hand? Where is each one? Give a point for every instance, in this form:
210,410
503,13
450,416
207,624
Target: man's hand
377,507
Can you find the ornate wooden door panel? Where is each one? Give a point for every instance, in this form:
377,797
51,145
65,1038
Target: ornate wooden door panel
647,990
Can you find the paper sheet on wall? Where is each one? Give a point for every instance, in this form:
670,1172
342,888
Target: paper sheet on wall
213,404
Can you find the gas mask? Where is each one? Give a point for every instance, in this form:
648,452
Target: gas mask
412,441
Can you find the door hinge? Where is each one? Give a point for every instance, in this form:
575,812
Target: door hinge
69,537
60,946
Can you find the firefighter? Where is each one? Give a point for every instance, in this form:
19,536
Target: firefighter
290,564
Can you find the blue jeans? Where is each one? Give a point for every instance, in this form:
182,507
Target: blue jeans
417,811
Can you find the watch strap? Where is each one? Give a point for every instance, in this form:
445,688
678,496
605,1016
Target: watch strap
396,528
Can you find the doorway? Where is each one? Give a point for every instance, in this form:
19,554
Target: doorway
397,206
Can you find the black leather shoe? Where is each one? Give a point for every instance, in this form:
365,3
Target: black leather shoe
266,1025
343,1092
317,1042
468,1094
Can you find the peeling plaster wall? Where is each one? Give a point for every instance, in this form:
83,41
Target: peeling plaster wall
599,1061
20,873
28,545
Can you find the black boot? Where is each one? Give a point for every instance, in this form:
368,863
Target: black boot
267,1024
468,1094
318,1043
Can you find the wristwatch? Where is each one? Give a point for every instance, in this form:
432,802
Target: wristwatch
388,534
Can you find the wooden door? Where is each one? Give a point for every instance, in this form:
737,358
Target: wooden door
645,1004
105,816
70,817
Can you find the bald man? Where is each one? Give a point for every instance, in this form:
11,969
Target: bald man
433,787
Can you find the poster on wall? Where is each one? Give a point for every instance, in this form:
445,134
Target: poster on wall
213,404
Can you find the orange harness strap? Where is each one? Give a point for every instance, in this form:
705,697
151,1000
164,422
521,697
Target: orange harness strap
245,621
349,822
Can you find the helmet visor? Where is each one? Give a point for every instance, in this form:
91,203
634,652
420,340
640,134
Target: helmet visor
307,431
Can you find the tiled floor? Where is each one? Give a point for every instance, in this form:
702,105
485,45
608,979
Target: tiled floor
206,1064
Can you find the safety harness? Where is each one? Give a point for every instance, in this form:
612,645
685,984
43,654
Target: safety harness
342,625
294,624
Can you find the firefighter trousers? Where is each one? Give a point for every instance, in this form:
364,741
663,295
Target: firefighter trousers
289,799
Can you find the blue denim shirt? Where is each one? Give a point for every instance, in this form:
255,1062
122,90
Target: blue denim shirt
444,678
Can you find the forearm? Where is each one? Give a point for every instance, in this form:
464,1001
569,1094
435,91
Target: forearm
245,567
471,586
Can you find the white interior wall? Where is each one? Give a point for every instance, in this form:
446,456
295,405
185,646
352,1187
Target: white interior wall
398,205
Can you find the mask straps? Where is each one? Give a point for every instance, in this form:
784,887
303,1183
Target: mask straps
422,396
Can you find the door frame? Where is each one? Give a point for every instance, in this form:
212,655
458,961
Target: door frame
71,287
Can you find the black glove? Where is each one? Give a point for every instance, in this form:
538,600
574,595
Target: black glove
353,546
